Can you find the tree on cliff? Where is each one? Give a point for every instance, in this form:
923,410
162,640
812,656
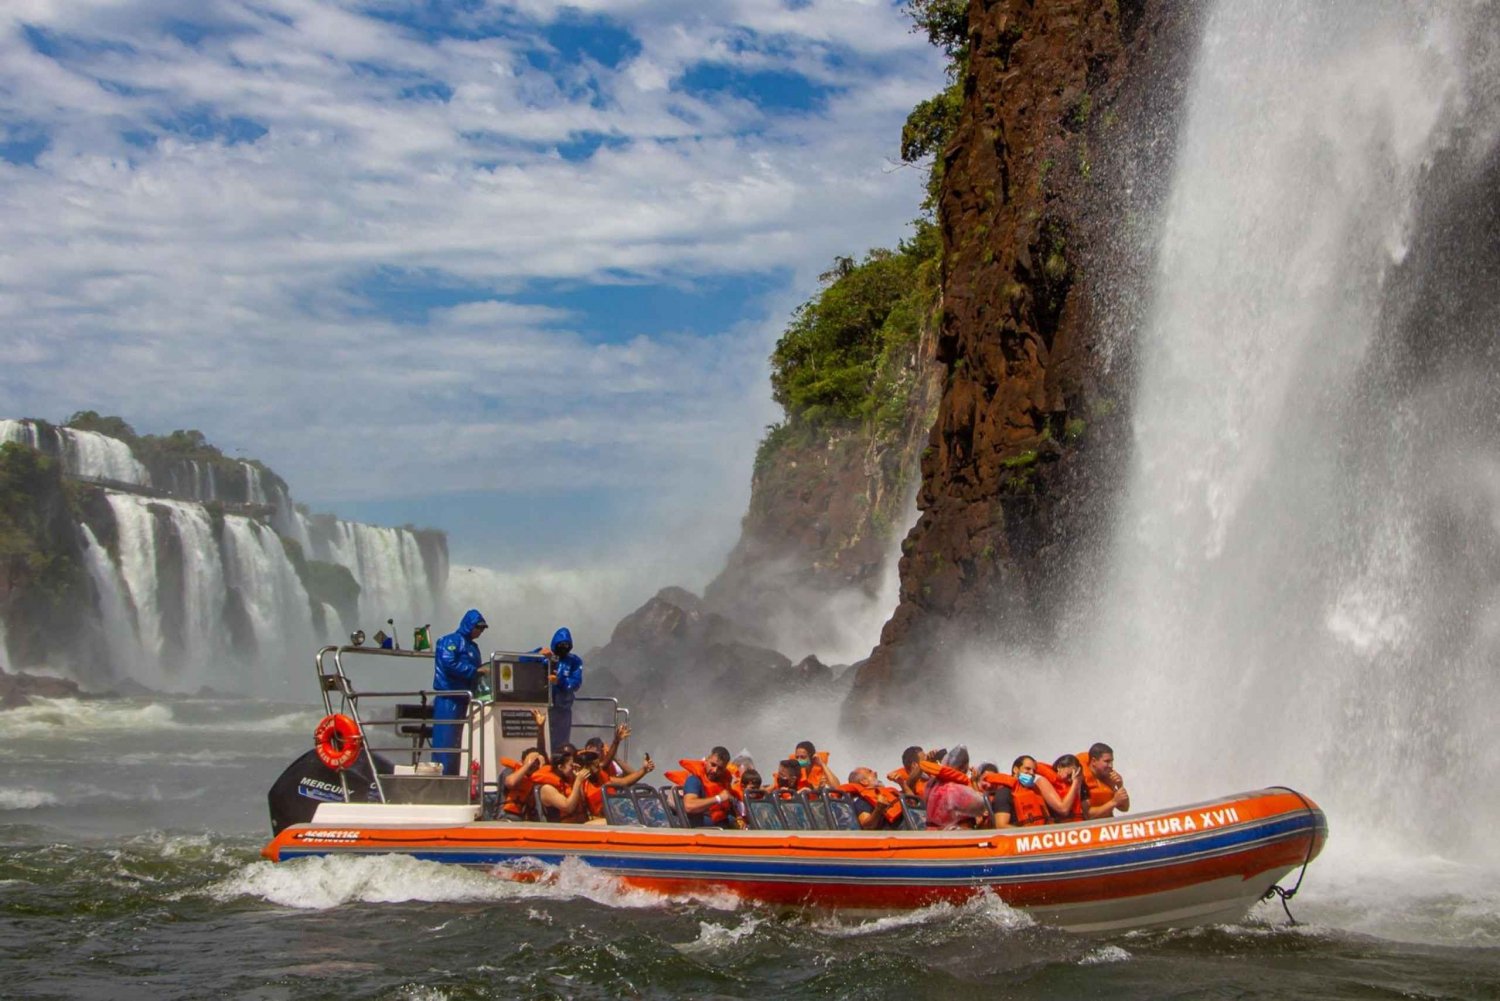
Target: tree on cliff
841,351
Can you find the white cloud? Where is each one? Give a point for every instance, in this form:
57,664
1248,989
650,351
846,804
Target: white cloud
211,277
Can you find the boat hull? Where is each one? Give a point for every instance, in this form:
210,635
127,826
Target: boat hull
1198,864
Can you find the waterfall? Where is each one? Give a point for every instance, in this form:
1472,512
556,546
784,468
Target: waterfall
21,432
274,599
181,614
387,563
83,453
219,607
98,456
137,545
1278,610
121,632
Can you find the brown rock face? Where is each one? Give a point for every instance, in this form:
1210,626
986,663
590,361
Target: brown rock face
823,513
1062,150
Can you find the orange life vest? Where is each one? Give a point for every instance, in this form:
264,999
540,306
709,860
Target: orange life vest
1029,807
918,785
946,773
518,798
887,801
1062,786
815,775
1100,793
547,777
593,793
718,813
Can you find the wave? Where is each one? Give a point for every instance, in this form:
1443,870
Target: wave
985,912
26,799
323,883
86,718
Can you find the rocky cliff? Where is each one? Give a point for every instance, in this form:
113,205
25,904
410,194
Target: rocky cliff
1064,132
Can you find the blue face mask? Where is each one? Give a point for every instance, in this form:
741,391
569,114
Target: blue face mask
1026,779
804,762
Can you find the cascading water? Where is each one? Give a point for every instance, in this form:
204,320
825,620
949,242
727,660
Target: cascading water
273,598
1268,615
121,632
83,453
388,564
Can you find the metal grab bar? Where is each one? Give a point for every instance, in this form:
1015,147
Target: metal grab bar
333,679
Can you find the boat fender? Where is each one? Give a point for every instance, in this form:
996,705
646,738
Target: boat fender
338,741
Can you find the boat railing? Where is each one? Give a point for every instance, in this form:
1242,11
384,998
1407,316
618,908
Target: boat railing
399,723
389,728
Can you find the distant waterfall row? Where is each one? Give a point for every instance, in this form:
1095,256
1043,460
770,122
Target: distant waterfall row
206,573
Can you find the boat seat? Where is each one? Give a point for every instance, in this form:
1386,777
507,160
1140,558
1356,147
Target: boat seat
795,813
762,813
673,797
817,808
427,790
841,812
913,812
621,808
653,809
413,722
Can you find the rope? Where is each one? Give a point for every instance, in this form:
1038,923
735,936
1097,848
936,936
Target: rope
1277,890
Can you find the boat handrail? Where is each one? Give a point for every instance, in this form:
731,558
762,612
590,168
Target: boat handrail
332,678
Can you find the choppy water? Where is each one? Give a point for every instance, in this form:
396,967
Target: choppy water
129,867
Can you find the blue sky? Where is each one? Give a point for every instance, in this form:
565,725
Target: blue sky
511,269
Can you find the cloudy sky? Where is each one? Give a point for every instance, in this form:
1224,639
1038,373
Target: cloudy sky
507,268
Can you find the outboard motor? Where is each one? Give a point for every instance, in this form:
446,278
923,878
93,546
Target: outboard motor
307,782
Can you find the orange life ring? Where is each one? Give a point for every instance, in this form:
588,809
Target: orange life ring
338,741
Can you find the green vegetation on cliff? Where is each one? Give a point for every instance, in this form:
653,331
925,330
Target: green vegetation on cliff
41,574
848,356
28,552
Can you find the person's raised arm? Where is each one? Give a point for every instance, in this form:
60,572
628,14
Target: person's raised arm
517,775
565,805
631,778
1061,805
621,732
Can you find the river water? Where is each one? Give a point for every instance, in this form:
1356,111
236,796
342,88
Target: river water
130,833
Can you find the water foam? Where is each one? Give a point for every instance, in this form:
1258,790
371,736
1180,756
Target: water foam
714,937
326,882
26,798
985,911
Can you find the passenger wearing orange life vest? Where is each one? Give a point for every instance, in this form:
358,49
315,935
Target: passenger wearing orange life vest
788,774
812,767
910,777
1066,779
1106,790
517,777
609,759
593,778
707,790
878,807
562,793
1017,799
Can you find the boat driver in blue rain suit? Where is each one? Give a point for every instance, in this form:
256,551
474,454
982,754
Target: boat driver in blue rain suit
456,668
566,679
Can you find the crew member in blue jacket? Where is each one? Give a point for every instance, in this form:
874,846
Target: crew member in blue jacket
456,668
566,678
